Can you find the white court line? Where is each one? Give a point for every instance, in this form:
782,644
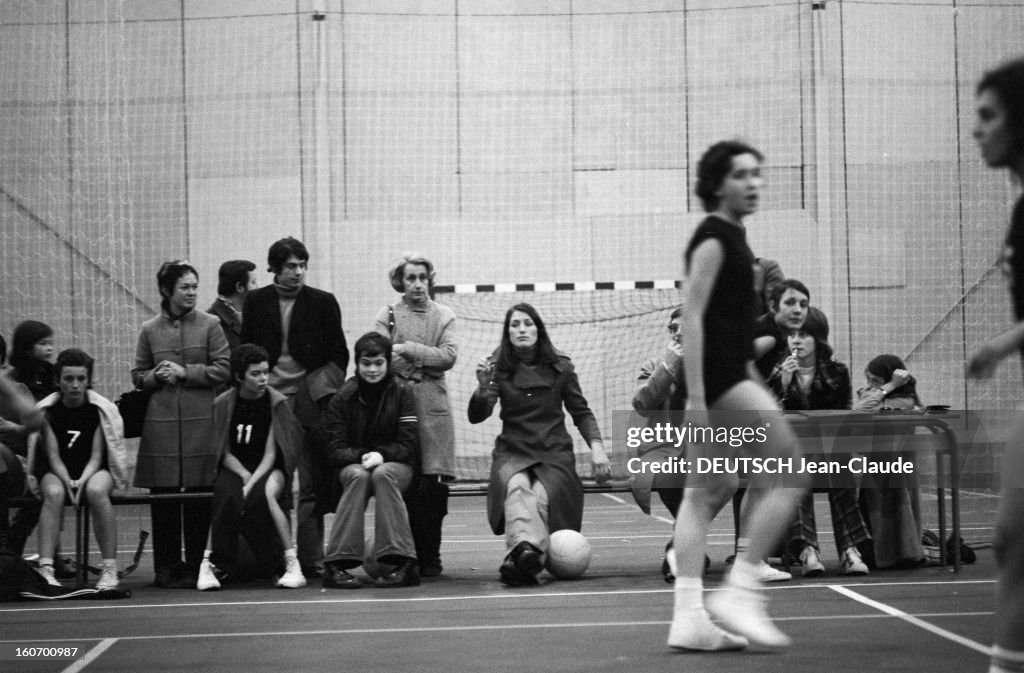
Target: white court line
465,628
927,626
310,601
623,502
90,656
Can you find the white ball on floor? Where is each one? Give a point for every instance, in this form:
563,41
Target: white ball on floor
371,567
569,554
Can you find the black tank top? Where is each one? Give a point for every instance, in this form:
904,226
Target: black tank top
729,316
1012,261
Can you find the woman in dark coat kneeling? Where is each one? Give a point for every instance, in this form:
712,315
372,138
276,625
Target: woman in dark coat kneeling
534,487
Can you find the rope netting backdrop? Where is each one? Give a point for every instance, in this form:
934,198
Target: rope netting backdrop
531,141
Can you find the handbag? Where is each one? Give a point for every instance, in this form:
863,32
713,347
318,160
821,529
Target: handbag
133,405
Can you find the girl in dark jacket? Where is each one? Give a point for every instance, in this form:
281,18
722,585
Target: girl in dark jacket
810,378
372,429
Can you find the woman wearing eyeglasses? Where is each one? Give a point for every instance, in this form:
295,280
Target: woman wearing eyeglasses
181,356
660,387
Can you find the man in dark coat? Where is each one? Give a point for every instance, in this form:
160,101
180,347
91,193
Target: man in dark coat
300,327
235,279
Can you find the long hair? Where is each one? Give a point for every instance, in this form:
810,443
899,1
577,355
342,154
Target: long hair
168,276
884,365
26,335
714,165
1007,81
505,359
816,324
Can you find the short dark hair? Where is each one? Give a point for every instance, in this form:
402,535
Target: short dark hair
231,273
244,357
1007,82
780,289
714,165
73,357
371,345
168,275
281,250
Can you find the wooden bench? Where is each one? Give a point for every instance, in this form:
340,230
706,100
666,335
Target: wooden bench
82,524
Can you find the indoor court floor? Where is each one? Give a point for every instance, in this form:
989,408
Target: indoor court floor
615,618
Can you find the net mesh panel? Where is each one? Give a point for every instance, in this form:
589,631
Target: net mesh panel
140,132
67,237
607,333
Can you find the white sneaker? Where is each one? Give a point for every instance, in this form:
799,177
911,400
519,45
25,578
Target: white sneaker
108,579
766,573
744,612
292,577
48,575
811,562
207,581
853,564
694,630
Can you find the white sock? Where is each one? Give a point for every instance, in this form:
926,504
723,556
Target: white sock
742,545
291,552
692,628
46,561
110,563
745,574
207,553
689,594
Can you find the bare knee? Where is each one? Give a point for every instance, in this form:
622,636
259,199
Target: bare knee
274,485
97,490
52,490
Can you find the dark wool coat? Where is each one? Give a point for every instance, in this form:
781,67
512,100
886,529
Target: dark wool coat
533,435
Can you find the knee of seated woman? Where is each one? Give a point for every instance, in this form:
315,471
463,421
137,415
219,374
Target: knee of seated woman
99,485
52,489
274,484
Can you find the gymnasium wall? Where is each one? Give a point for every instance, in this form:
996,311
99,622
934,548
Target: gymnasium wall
526,141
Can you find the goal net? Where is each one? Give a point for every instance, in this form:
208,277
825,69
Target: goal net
608,333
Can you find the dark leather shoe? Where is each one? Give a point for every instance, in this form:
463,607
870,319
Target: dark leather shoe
405,575
509,572
338,578
312,572
528,559
430,569
521,565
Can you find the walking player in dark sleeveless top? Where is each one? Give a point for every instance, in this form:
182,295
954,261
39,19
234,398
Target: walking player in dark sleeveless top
718,329
999,132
